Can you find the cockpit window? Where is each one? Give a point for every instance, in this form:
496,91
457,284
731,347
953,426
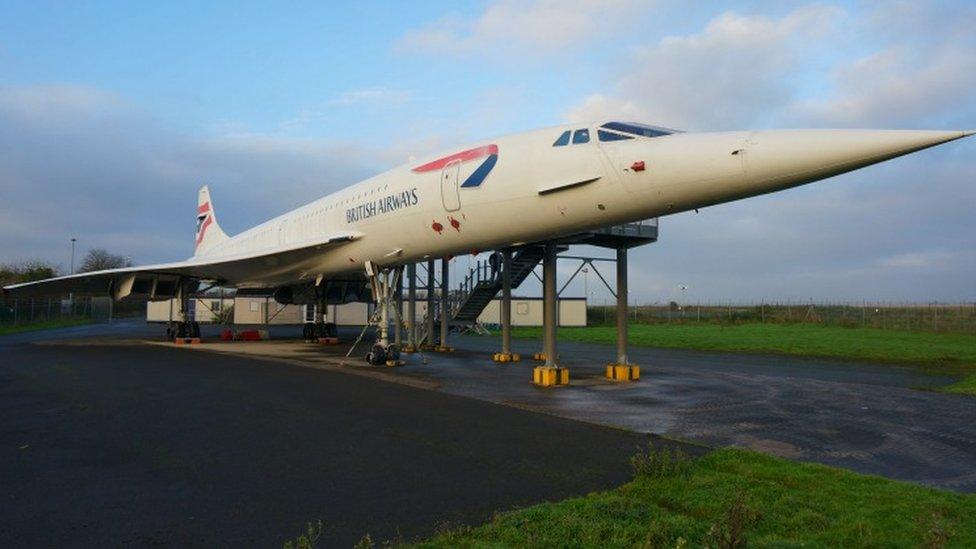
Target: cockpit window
611,136
581,136
635,128
563,139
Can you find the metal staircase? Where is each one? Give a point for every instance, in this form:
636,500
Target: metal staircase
477,290
481,285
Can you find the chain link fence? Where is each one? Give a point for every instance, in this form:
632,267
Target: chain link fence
931,317
47,310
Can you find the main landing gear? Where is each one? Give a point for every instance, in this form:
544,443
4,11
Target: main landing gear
314,331
183,330
383,283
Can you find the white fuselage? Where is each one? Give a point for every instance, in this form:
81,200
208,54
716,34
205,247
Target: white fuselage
537,191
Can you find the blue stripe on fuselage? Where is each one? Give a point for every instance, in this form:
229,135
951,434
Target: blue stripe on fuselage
481,173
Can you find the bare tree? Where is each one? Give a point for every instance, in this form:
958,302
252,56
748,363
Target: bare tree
99,259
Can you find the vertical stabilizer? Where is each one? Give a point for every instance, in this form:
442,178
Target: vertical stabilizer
209,233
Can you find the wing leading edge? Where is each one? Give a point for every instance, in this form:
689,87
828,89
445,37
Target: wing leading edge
278,266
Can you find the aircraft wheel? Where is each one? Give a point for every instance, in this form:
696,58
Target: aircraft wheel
376,355
181,330
194,329
393,352
307,331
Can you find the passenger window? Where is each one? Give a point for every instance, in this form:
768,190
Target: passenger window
610,136
563,139
581,136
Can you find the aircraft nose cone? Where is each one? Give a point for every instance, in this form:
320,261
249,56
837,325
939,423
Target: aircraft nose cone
794,157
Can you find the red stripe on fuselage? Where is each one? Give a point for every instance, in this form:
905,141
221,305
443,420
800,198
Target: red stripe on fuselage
463,156
203,209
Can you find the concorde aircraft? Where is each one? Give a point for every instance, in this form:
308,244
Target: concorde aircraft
497,193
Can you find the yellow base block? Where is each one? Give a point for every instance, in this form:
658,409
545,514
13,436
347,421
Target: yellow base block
623,372
186,340
506,357
550,376
444,349
394,363
539,356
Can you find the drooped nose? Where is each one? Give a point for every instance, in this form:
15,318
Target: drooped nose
778,159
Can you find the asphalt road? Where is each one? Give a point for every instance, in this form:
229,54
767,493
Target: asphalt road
152,446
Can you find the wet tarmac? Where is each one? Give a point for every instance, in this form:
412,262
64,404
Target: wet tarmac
108,441
873,418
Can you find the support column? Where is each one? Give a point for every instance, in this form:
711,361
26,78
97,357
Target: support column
549,374
398,303
506,310
622,369
411,308
445,304
384,303
430,304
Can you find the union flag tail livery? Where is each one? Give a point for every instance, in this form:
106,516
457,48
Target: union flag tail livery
209,233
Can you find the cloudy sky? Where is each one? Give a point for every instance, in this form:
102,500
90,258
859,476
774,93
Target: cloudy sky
112,115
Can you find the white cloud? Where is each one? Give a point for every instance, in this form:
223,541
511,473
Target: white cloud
59,104
373,96
920,260
527,29
901,85
601,107
366,98
116,178
727,76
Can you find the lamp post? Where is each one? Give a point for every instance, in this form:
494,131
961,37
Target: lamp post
73,255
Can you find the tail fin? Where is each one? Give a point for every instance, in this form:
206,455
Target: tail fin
209,232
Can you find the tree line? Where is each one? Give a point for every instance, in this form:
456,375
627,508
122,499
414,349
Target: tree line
97,259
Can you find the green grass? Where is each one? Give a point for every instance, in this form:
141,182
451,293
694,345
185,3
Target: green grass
923,348
967,386
42,325
769,501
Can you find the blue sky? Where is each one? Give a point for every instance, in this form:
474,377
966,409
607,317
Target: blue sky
127,108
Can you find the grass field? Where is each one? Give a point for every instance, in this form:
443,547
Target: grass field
951,353
44,325
797,339
966,386
731,498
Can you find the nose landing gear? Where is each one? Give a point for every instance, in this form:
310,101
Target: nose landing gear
383,283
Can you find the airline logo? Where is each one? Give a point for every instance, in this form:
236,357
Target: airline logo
488,152
204,219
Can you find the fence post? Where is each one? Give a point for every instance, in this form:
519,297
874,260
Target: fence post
762,311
